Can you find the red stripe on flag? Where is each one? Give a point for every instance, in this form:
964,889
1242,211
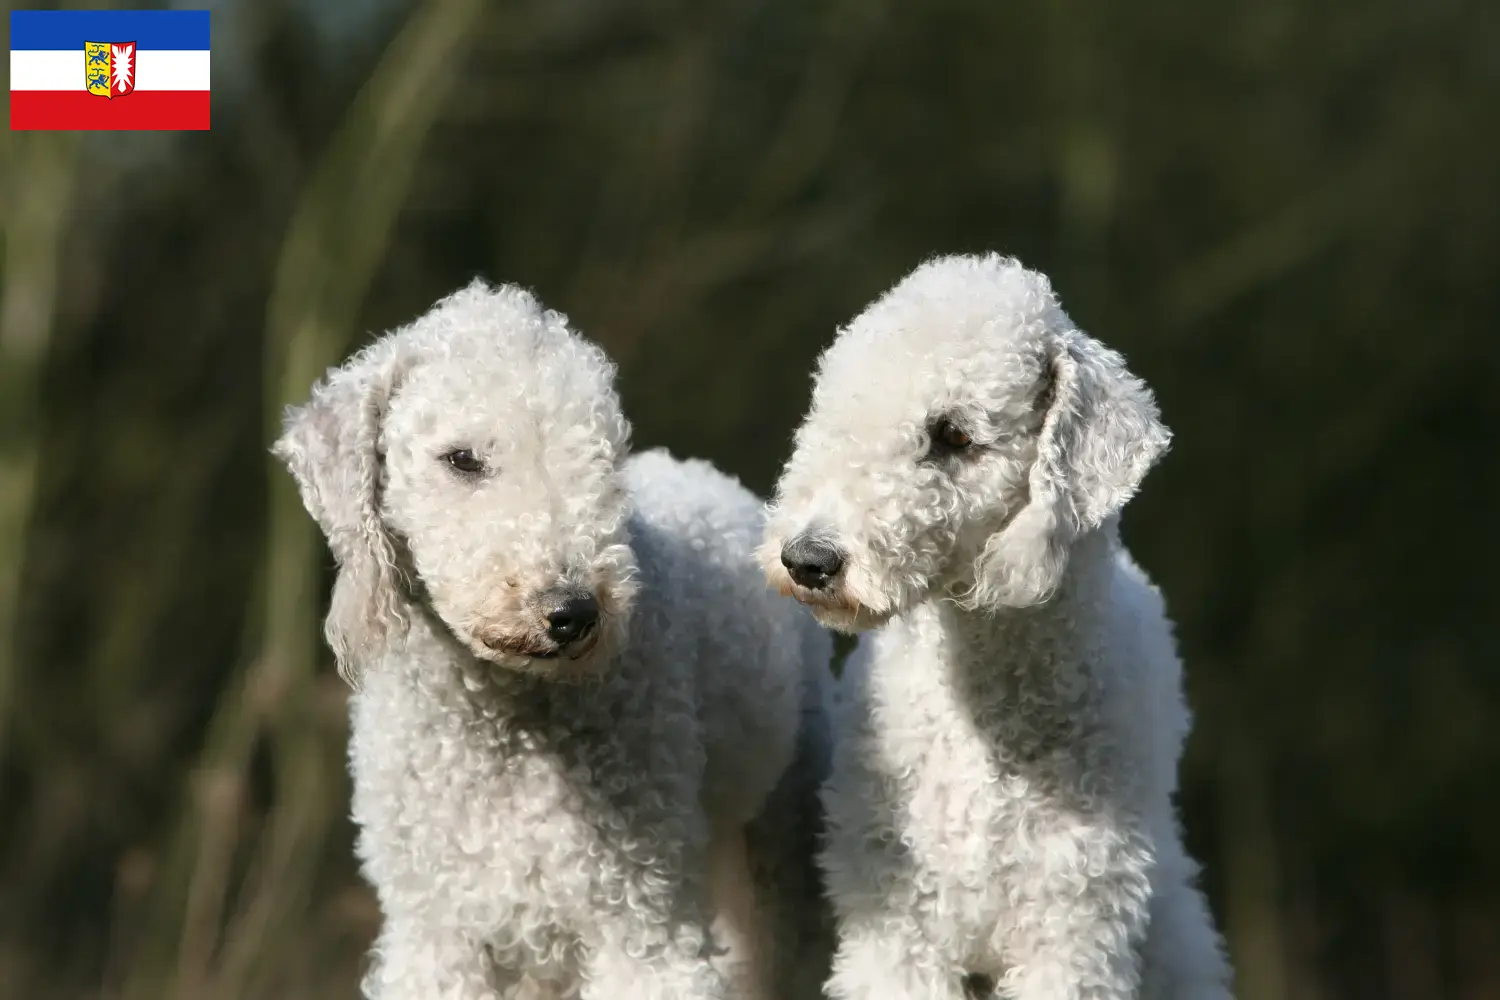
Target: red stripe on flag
78,109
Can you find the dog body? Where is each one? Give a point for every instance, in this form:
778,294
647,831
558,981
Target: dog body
574,691
1000,811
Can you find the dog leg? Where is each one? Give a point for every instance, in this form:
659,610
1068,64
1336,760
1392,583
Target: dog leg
886,958
1079,928
412,961
621,971
740,930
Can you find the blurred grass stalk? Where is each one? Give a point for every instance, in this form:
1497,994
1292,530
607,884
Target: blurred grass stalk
208,937
38,188
1255,911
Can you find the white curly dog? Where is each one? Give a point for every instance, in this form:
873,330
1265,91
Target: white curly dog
575,693
1000,813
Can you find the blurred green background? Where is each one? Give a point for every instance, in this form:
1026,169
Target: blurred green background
1285,212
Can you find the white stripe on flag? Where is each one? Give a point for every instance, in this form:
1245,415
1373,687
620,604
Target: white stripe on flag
156,69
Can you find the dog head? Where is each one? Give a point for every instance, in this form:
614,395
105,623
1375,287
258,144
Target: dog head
963,433
476,451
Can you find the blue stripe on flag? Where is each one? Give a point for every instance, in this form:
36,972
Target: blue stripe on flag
56,30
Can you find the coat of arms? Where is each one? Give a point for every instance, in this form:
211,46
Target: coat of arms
109,68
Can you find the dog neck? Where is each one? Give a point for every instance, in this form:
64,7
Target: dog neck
1037,654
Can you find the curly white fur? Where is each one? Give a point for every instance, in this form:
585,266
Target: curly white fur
1001,805
546,818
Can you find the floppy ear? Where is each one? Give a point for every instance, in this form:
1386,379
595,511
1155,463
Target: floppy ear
332,447
1100,434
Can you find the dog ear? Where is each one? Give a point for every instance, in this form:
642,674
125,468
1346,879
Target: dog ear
1101,432
332,444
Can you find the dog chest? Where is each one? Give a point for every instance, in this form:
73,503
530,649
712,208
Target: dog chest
495,825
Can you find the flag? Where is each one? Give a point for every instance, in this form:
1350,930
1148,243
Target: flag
117,69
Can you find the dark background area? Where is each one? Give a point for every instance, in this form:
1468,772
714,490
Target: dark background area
1286,213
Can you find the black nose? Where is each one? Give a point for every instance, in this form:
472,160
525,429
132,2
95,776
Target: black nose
572,619
811,563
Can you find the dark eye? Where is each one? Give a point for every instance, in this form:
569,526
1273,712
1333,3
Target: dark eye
464,461
947,437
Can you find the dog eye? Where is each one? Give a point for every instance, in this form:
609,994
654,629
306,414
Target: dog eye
464,461
947,437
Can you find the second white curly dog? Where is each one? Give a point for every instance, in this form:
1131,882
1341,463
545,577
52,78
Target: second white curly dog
575,691
1000,810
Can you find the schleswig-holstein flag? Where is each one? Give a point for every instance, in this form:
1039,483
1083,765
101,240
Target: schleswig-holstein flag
117,69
